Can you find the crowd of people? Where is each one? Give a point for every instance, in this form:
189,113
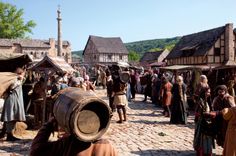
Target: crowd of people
214,108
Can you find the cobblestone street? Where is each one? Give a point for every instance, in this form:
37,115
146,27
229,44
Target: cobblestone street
146,133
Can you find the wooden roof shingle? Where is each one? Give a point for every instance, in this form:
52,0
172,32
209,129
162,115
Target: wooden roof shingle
150,56
108,45
196,44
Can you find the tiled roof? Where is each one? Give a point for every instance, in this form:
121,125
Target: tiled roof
28,43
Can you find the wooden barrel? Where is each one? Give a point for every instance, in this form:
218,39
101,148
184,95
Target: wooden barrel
124,76
82,113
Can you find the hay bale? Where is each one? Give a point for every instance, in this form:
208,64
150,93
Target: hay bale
20,128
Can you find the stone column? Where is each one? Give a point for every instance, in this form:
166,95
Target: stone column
59,44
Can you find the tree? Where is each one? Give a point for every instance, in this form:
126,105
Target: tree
133,56
12,24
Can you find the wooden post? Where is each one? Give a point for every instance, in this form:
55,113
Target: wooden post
46,71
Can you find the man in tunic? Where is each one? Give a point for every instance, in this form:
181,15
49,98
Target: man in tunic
38,96
223,100
148,88
229,114
120,100
133,82
67,145
166,96
109,85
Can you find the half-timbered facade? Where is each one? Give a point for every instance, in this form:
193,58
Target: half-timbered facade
212,47
104,50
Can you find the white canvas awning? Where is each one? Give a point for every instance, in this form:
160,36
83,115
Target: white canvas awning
187,67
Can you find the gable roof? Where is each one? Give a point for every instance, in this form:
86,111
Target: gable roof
108,44
150,56
28,43
196,44
54,63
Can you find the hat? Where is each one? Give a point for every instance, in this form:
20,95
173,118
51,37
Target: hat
203,77
221,87
180,78
155,76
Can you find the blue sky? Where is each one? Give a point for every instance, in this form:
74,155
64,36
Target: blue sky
132,20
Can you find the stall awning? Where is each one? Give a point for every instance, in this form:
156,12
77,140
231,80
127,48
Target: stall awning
187,67
122,64
10,61
53,63
157,64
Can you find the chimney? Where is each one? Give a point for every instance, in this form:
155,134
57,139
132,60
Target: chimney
52,42
229,42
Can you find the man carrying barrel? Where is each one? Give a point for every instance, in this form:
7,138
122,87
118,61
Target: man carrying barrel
68,145
84,126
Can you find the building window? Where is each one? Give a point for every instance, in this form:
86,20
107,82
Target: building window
109,57
120,57
31,53
217,51
94,57
188,52
42,53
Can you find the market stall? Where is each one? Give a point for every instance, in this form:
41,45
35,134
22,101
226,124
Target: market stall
46,68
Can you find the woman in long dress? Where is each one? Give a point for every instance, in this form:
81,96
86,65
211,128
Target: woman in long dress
203,134
179,102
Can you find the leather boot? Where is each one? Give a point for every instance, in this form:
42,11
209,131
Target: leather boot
120,116
124,112
3,132
10,137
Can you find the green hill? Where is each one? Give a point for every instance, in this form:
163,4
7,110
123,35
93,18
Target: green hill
78,53
152,45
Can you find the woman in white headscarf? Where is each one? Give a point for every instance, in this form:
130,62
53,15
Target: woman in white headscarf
203,84
179,102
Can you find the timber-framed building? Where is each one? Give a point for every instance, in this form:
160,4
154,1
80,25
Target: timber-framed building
214,47
101,50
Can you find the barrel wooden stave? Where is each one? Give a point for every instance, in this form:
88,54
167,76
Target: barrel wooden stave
71,108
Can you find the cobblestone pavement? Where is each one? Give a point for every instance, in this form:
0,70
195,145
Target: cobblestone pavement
146,133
